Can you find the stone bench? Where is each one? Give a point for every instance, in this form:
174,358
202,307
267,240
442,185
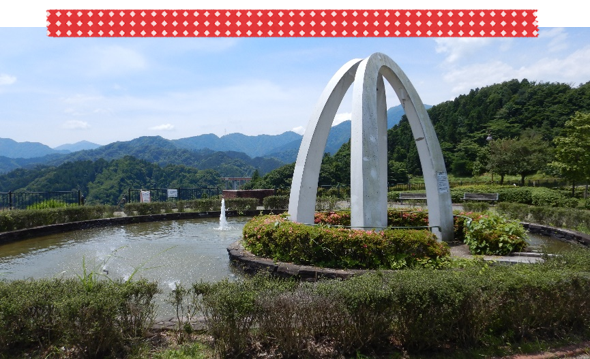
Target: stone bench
492,197
411,196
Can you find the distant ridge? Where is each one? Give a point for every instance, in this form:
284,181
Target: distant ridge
78,146
267,151
12,149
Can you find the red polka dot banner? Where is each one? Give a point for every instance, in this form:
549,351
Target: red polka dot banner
292,23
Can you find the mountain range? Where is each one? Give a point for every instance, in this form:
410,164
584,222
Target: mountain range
266,151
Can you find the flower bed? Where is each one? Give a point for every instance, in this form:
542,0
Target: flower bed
341,247
273,236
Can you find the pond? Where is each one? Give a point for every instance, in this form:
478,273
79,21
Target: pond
184,251
170,252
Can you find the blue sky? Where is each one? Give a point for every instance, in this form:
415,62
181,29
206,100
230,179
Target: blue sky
58,90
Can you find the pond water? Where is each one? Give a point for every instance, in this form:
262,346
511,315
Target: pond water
184,251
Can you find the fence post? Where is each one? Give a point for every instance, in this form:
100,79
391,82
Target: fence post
10,200
79,198
129,195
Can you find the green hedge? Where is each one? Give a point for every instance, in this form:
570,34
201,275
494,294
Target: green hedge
20,219
410,310
197,205
557,217
92,321
275,237
539,196
276,202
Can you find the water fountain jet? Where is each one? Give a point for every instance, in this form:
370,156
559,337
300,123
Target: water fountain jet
222,221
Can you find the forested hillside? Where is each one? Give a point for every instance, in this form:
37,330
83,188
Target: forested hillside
503,111
159,151
105,181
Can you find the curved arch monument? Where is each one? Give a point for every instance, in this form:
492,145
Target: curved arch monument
369,147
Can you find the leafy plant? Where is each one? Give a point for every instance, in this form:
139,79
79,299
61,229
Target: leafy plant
490,233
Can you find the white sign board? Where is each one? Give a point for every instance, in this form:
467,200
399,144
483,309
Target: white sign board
442,182
144,197
172,193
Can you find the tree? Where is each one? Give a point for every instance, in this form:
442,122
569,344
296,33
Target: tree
572,153
530,154
499,159
397,173
523,156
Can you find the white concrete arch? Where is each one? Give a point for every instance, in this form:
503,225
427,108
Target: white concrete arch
369,147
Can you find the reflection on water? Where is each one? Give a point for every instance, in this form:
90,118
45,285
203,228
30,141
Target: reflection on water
538,243
185,251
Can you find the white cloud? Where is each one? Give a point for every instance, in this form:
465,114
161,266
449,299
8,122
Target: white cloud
557,38
75,125
458,48
163,127
299,129
7,79
466,78
572,68
341,117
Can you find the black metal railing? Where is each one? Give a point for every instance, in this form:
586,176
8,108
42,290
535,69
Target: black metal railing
172,194
37,200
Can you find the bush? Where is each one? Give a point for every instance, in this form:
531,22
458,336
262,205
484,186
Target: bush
419,219
276,202
476,206
241,204
97,321
274,237
20,219
327,203
51,203
415,309
493,234
547,197
557,217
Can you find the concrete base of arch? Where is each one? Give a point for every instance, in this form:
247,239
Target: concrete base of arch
369,147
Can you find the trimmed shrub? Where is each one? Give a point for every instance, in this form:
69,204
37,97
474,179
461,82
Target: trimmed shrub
414,309
94,321
476,206
395,218
276,202
508,236
196,205
274,237
51,203
20,219
547,197
327,203
241,204
142,209
550,216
